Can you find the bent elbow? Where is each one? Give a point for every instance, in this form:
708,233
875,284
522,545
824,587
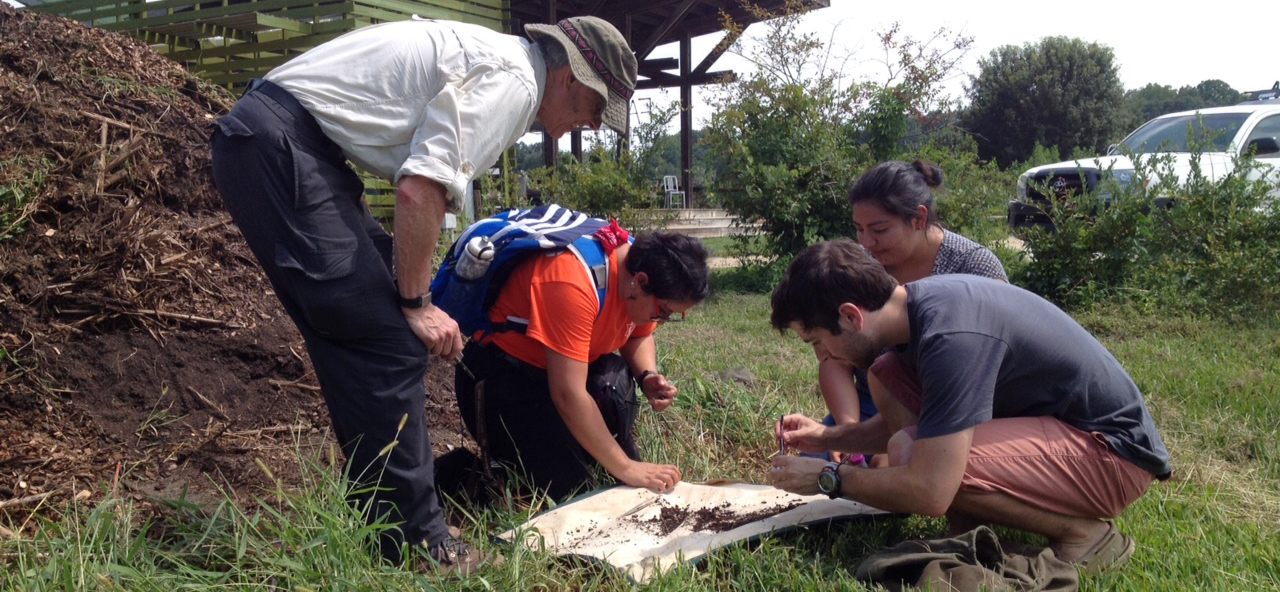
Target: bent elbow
934,504
934,510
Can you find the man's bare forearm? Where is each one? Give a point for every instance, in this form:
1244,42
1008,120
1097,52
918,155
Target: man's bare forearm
867,437
420,208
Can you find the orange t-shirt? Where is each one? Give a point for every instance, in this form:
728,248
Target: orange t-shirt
557,296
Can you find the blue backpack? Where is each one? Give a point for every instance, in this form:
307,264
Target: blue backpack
481,260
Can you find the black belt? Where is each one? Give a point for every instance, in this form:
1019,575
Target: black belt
495,352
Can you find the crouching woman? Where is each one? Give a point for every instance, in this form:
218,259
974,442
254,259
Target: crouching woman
551,400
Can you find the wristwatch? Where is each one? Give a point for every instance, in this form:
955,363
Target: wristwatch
829,480
416,302
643,375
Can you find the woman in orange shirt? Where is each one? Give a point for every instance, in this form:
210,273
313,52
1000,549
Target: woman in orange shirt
556,399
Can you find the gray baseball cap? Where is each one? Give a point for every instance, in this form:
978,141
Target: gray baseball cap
601,59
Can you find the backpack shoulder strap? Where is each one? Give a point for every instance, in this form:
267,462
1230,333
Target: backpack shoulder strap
595,262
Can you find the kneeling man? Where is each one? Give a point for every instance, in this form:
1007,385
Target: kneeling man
996,406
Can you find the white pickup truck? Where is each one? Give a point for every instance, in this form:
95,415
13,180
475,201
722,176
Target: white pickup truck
1252,127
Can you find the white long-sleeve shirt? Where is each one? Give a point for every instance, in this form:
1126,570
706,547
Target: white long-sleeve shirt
438,99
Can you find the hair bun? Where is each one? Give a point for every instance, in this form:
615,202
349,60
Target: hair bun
932,173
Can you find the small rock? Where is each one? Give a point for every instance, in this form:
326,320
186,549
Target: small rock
740,376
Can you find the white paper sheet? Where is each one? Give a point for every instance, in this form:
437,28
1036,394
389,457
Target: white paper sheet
645,533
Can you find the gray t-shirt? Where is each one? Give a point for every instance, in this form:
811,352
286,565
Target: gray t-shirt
985,349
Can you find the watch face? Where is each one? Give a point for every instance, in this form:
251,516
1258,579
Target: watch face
827,482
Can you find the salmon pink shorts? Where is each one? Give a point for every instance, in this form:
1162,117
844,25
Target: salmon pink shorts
1040,461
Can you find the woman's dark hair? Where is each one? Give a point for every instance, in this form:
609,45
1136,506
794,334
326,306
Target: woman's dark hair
824,276
676,265
899,188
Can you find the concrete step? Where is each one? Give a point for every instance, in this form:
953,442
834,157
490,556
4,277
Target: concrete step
725,221
701,213
708,231
707,223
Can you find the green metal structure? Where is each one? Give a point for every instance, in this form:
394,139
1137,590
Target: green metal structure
230,42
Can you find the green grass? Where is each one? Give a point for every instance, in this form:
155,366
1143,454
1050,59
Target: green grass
21,180
1214,527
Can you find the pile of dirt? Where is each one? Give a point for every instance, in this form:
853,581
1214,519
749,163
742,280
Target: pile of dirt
142,352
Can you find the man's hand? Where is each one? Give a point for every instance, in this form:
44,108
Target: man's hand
801,433
660,393
437,330
796,474
648,475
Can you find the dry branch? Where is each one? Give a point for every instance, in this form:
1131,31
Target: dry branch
207,440
185,317
213,409
294,383
269,430
213,226
124,125
102,159
25,500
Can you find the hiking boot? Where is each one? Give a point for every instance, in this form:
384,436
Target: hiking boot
452,556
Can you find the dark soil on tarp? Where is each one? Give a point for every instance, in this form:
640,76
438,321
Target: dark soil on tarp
142,353
724,517
720,518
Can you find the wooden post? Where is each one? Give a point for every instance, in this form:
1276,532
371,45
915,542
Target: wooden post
550,146
686,118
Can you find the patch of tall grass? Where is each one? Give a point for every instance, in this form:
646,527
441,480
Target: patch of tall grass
1212,527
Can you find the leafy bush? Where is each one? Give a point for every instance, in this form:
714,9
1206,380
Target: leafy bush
605,185
608,183
792,137
1212,252
974,195
1088,254
1215,250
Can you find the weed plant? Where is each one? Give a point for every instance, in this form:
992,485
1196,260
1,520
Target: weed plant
21,181
1212,251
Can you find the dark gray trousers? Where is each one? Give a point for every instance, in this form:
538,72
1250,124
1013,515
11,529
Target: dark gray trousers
523,429
298,204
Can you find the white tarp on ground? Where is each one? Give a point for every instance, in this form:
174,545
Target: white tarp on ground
645,533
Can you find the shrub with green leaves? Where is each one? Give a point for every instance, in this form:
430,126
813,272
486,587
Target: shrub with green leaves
791,137
1215,250
608,183
974,195
1211,252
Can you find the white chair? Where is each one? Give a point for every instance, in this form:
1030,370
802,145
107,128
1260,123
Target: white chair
671,188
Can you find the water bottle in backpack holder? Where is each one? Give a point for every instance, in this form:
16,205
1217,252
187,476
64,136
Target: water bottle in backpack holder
475,258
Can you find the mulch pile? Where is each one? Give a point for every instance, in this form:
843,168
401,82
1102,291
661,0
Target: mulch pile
142,353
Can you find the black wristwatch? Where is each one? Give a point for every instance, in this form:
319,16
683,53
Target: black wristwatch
643,375
416,302
829,480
